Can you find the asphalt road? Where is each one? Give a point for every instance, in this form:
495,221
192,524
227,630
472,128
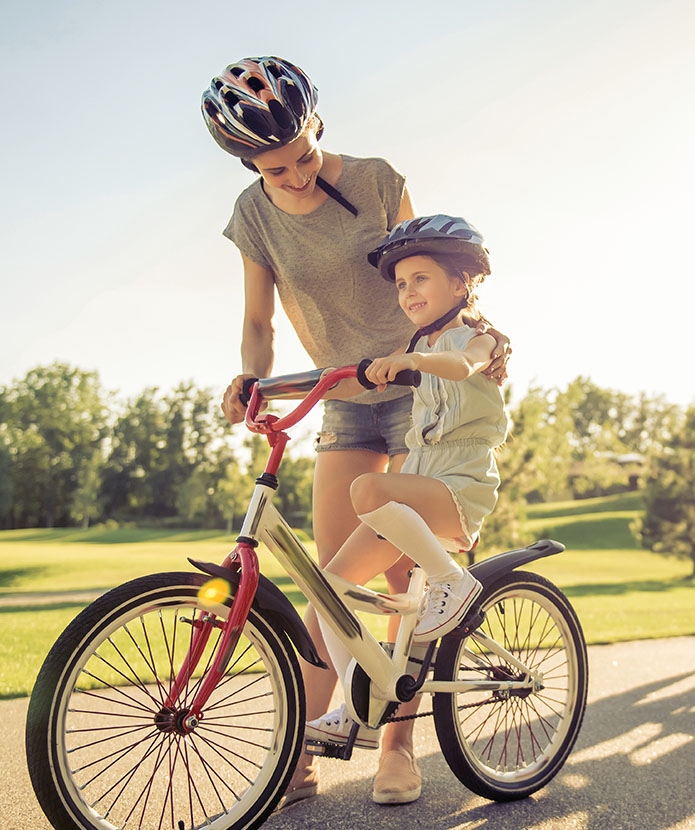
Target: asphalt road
633,767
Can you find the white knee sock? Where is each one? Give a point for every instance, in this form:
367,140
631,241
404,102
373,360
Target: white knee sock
340,656
407,530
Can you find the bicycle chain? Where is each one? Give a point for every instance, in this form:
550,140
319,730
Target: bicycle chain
427,714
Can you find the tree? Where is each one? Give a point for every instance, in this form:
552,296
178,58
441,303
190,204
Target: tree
295,490
53,421
134,467
539,446
157,444
86,504
232,493
6,490
668,524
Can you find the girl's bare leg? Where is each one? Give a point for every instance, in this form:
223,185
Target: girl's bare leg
433,501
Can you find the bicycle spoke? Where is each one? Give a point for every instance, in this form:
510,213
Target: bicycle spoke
135,705
148,662
219,718
170,656
222,701
205,729
147,789
129,731
191,691
192,785
125,751
103,714
226,760
117,755
158,681
138,683
210,768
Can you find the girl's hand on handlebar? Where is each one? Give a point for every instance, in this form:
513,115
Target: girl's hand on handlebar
234,410
497,370
385,369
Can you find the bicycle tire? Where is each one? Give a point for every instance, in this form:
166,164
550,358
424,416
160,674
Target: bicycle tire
505,748
98,759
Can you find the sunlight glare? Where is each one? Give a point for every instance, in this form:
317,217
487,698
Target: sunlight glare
213,592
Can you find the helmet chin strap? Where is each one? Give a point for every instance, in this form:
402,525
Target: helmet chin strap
438,324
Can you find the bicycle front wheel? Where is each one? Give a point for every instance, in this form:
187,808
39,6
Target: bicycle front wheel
103,750
505,745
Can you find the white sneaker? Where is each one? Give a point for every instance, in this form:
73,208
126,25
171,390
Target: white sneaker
334,727
446,604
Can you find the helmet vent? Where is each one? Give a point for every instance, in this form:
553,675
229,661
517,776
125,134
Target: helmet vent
280,114
275,70
230,98
256,123
293,99
235,70
256,84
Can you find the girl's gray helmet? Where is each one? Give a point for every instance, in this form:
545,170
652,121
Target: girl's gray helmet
439,234
258,104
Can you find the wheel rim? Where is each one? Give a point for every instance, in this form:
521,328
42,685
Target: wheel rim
122,769
513,740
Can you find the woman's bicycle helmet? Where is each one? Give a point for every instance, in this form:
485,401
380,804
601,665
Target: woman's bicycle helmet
439,234
258,104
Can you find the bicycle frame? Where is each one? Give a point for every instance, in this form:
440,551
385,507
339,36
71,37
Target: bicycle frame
335,599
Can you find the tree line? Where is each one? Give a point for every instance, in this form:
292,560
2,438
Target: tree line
71,454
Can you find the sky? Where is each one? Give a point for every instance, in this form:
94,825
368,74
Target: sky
563,131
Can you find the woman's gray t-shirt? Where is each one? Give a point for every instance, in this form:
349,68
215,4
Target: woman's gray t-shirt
339,305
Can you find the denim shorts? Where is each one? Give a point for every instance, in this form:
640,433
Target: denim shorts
378,427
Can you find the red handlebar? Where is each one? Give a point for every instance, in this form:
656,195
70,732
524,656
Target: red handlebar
271,423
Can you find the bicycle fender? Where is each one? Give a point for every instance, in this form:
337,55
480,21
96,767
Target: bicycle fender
489,570
272,604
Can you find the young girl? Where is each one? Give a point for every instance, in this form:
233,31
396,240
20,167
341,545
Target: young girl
448,483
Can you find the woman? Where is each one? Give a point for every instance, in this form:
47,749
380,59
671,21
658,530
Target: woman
305,227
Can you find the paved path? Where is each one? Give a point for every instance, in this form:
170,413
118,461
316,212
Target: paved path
12,598
633,767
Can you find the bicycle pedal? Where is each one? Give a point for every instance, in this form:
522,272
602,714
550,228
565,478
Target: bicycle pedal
329,749
325,749
473,620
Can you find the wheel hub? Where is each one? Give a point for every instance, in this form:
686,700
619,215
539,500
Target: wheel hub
180,721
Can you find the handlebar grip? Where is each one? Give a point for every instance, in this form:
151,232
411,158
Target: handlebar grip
406,377
245,394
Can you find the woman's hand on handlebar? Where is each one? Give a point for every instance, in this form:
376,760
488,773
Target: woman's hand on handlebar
234,410
385,369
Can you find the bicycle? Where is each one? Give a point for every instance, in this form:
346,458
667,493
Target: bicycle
176,700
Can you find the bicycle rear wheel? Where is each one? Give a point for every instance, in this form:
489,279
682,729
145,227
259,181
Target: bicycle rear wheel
102,755
506,745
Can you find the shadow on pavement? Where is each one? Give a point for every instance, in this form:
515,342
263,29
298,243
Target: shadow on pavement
632,769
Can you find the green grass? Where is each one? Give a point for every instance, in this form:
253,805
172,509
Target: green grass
620,591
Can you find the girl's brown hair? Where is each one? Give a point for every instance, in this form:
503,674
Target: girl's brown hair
464,269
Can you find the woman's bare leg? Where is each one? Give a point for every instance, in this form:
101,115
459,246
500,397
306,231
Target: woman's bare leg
334,521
